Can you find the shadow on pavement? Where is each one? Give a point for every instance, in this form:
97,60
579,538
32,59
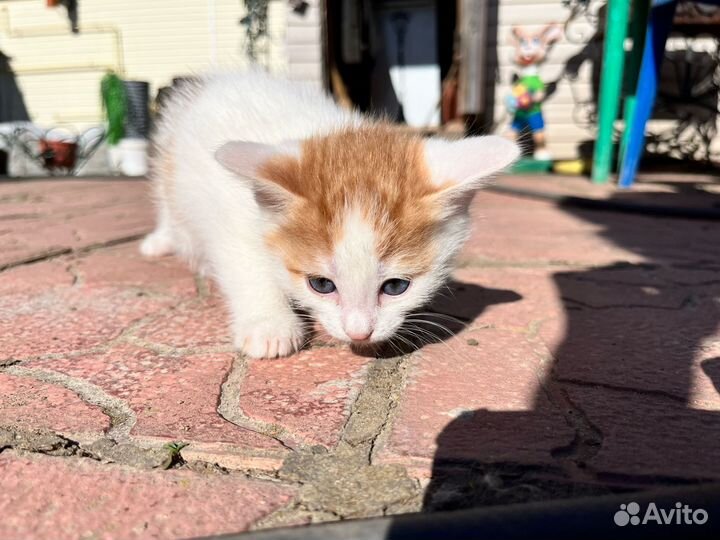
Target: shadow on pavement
457,305
635,377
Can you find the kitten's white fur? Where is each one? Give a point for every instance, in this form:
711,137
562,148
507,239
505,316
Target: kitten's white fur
211,217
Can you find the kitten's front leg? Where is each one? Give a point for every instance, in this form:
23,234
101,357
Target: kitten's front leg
263,323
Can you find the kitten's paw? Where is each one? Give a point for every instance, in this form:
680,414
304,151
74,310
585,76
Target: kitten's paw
269,339
157,244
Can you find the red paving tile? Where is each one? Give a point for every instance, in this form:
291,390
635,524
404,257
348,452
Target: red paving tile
480,402
52,216
310,393
200,323
69,319
29,404
618,313
641,348
35,278
44,497
508,229
505,229
174,397
123,266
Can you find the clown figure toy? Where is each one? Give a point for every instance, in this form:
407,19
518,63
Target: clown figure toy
528,91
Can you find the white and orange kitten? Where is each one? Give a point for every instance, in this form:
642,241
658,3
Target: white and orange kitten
288,200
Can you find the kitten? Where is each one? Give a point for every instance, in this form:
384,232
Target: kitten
286,199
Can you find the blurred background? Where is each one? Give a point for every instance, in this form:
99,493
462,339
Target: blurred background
436,66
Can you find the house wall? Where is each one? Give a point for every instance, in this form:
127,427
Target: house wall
303,44
59,72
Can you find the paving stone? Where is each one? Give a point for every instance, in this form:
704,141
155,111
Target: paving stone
62,320
46,497
130,219
33,278
633,327
50,217
651,285
27,240
309,393
201,323
509,229
123,266
705,390
174,397
621,309
644,435
501,297
49,198
506,230
642,348
479,402
28,404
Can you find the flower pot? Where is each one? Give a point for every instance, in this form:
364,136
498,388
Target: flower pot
58,154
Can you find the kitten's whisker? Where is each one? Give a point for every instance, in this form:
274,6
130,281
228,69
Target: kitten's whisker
432,323
449,294
438,339
406,341
429,336
395,348
440,316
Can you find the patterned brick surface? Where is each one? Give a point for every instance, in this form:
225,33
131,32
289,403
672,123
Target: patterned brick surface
581,346
46,497
29,404
309,394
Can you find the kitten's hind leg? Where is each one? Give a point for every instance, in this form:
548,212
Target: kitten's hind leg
157,244
160,242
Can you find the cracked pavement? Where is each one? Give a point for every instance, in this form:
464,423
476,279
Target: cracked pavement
574,353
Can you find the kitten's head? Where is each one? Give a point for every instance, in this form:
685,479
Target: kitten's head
366,221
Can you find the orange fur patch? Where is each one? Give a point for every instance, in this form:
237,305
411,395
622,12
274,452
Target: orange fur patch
375,169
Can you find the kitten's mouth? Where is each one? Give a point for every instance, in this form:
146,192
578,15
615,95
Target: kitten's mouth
366,348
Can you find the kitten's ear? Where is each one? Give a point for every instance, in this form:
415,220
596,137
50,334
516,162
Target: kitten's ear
460,168
247,159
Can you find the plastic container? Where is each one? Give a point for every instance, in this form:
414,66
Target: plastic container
137,99
133,156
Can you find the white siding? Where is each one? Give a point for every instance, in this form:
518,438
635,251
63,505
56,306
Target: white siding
59,72
304,44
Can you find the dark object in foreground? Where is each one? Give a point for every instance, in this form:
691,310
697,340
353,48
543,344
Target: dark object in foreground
587,518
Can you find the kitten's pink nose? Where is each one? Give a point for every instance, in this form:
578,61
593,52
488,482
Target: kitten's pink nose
358,326
359,336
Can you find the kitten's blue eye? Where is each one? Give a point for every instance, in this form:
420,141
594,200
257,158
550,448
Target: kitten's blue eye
322,285
395,287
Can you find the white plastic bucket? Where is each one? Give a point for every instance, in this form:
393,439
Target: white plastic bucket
133,157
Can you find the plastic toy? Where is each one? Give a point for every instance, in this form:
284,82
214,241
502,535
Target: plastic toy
528,90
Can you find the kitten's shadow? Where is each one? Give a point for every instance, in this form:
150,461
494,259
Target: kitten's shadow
457,306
